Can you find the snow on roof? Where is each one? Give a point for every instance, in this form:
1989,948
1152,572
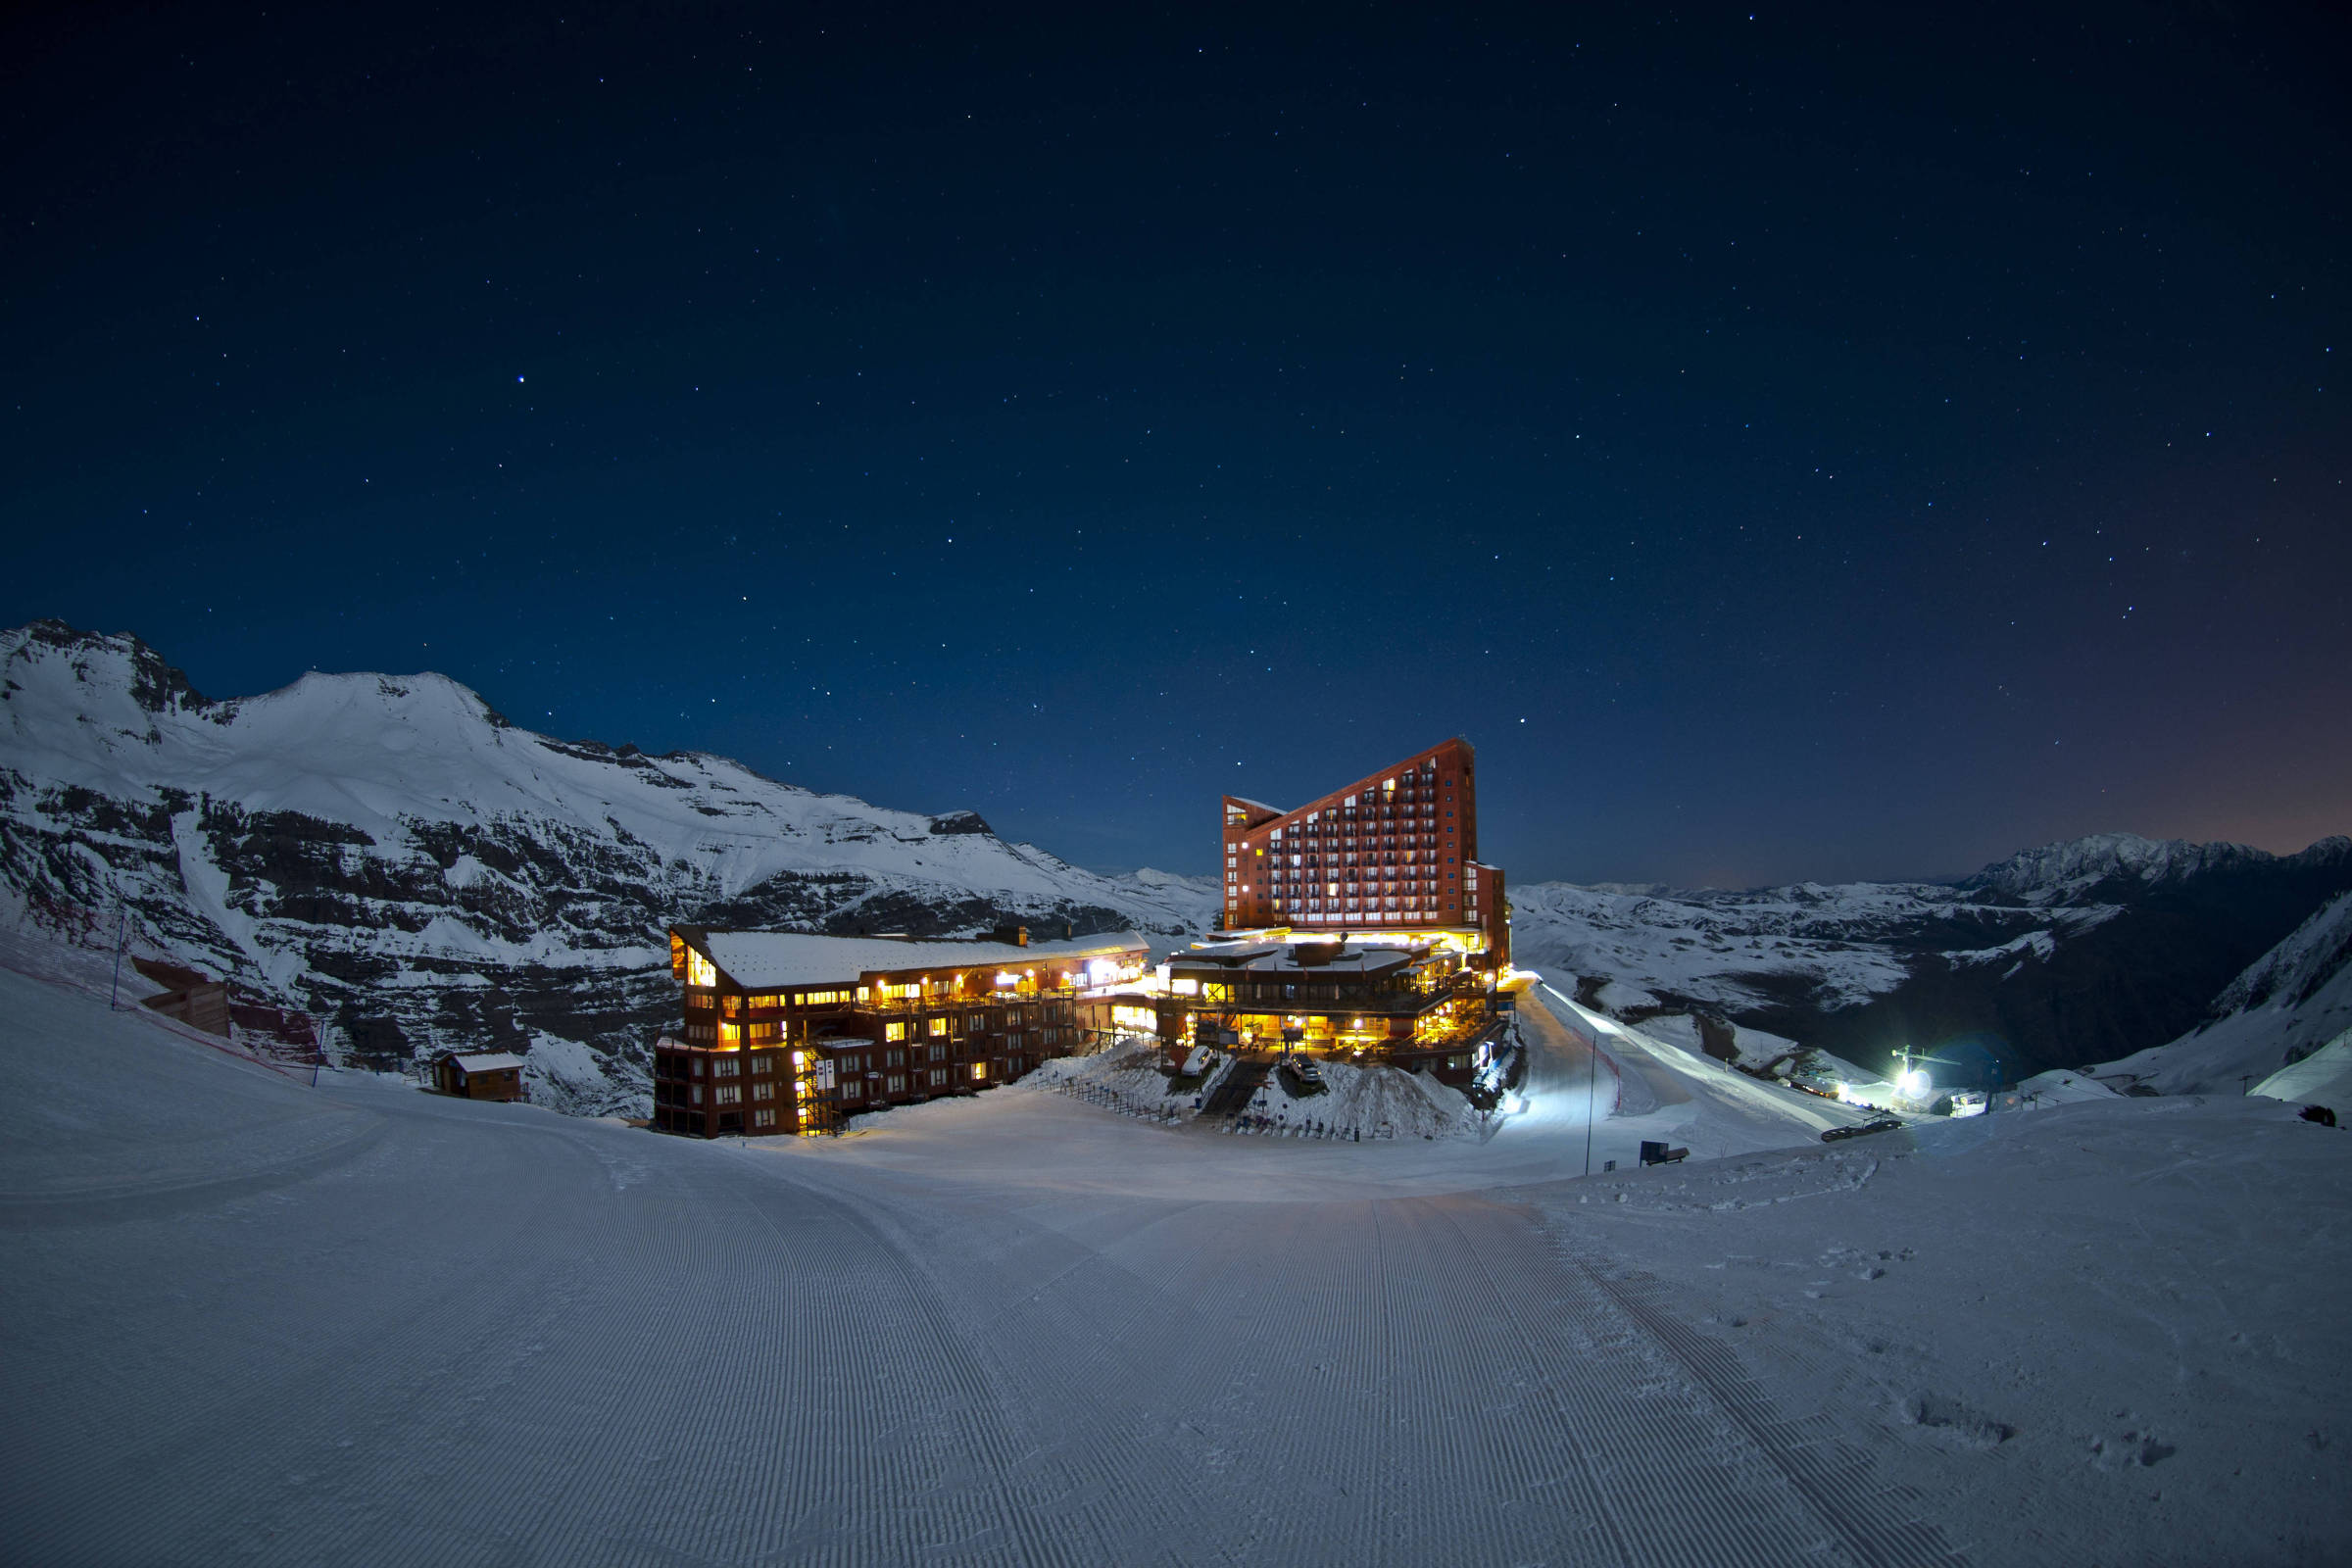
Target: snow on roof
1257,805
489,1061
762,959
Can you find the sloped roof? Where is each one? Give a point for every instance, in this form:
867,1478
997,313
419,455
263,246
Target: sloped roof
761,961
489,1061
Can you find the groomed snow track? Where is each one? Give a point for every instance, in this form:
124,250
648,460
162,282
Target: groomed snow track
399,1329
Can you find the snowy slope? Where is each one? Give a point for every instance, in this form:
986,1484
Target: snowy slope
256,1321
2287,1005
391,853
2322,1078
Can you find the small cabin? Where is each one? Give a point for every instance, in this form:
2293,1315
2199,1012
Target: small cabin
191,997
496,1075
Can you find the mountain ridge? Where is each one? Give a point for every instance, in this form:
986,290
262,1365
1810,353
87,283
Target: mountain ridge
394,855
2081,951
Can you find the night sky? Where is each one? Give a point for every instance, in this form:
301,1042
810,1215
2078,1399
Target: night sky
1787,444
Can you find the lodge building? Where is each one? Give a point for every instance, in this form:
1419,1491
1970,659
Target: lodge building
1421,1004
1360,925
1396,851
786,1032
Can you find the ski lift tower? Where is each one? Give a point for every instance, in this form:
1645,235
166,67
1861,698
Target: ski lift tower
1911,1082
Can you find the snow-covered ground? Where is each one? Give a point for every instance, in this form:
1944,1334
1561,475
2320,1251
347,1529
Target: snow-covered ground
250,1320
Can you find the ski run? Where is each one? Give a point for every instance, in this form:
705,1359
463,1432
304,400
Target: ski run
254,1319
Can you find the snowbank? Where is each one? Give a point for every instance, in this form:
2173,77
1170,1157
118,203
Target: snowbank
2059,1087
2322,1078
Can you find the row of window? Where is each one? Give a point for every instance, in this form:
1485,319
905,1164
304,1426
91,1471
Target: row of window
720,1094
896,1083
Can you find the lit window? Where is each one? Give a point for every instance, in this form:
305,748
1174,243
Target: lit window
893,1031
939,1026
700,971
979,1071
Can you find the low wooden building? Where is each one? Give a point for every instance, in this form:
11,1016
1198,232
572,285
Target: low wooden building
191,997
492,1075
786,1032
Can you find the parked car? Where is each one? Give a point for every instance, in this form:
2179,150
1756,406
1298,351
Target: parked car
1308,1071
1877,1124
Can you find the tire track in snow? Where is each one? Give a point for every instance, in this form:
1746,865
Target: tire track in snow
1880,1527
1677,1482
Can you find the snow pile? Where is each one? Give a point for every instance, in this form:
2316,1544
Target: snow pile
1355,1102
1362,1103
1127,1077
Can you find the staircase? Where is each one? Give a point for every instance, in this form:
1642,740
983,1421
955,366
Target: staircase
1233,1093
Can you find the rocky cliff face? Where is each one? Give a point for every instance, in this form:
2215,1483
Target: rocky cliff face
393,856
2284,1007
2065,955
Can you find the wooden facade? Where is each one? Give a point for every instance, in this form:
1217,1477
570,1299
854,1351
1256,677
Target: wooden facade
494,1075
785,1032
192,998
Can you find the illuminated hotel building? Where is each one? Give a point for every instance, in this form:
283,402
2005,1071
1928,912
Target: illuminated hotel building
785,1032
1396,850
1362,924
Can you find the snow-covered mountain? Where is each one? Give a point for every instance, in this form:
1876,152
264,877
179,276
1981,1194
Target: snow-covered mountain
392,855
2288,1004
2115,865
2059,956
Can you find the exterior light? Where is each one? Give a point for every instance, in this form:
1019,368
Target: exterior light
1915,1082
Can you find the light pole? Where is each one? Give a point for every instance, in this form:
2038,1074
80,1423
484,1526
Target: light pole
1591,1088
122,918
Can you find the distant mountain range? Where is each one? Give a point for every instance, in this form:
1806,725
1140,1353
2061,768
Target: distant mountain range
391,855
2059,956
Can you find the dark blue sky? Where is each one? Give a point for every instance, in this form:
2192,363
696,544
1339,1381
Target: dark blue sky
1787,444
